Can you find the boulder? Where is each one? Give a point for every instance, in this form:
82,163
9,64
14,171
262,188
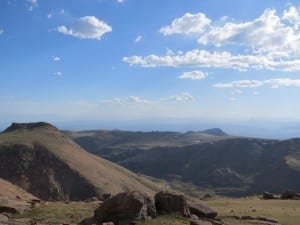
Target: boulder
13,206
171,202
8,209
3,218
200,222
202,211
290,195
126,208
268,195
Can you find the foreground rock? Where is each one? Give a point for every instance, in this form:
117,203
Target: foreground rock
15,206
126,208
256,219
268,196
171,202
201,210
290,195
3,218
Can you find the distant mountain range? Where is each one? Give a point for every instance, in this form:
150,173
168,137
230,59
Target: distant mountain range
210,158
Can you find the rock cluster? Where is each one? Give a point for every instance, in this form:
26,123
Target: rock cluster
284,196
127,208
290,195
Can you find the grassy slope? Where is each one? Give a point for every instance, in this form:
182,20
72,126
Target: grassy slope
54,213
104,175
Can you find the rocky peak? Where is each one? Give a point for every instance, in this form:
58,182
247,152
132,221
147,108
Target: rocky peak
28,126
215,131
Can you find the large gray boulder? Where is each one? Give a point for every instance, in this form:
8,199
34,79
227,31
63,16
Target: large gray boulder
290,195
126,208
268,196
201,210
171,202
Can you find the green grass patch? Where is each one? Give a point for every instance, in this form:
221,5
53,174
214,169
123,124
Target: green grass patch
54,213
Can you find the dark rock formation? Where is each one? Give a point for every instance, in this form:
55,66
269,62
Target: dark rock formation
126,208
3,218
200,222
170,202
215,131
226,177
268,195
28,126
290,195
201,210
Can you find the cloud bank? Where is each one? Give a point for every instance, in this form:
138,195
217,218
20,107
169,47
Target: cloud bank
269,42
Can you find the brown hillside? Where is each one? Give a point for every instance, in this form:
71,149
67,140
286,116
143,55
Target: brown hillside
46,163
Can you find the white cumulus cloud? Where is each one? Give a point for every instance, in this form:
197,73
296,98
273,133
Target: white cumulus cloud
193,75
180,98
187,24
57,73
217,59
273,83
56,58
130,100
32,4
138,38
270,42
292,14
267,34
88,27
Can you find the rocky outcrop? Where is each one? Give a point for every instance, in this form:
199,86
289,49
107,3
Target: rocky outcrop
226,177
3,218
268,196
28,126
171,202
14,199
201,210
130,207
290,195
126,208
256,219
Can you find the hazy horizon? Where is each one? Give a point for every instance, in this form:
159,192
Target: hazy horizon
251,128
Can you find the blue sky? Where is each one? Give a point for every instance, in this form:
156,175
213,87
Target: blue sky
149,60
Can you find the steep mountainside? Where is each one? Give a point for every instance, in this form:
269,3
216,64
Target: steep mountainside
46,163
